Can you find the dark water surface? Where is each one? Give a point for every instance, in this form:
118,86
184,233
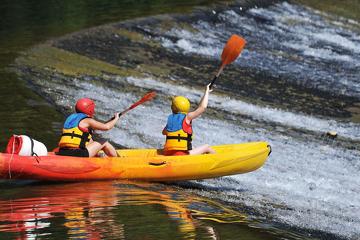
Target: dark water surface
118,210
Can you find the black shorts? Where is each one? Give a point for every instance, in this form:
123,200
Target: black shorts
74,152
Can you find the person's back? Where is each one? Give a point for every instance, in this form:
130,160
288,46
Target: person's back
178,130
73,137
76,139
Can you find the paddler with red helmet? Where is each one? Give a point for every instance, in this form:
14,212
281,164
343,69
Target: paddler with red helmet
76,138
178,130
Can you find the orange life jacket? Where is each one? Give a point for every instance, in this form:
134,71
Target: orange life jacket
178,133
72,136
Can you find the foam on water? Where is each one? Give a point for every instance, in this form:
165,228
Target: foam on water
304,184
206,44
278,37
267,114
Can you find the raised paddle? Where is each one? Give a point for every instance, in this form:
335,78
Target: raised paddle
145,98
230,52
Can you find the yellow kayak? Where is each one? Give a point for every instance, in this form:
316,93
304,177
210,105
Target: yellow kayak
138,164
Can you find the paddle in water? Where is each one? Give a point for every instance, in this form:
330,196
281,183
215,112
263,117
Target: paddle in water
231,51
147,97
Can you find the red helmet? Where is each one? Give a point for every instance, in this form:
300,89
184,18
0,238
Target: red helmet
85,105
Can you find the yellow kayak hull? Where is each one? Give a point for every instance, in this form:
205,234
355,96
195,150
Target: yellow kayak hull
138,164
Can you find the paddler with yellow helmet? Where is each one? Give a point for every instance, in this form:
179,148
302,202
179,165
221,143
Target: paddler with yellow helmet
178,130
76,138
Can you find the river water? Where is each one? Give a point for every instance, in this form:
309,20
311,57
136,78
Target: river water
297,78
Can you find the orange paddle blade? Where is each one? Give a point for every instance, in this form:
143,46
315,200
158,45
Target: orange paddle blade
232,49
145,98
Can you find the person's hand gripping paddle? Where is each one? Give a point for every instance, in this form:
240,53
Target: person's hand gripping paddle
231,51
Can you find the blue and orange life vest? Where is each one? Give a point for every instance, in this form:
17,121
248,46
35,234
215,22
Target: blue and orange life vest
72,135
178,133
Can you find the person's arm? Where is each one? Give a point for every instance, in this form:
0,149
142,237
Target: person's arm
202,105
96,125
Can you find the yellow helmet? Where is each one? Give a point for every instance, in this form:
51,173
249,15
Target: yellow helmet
180,104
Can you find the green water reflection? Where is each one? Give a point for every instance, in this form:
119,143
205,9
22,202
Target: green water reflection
118,210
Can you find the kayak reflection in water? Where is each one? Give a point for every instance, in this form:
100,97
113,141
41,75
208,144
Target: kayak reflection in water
178,130
76,139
